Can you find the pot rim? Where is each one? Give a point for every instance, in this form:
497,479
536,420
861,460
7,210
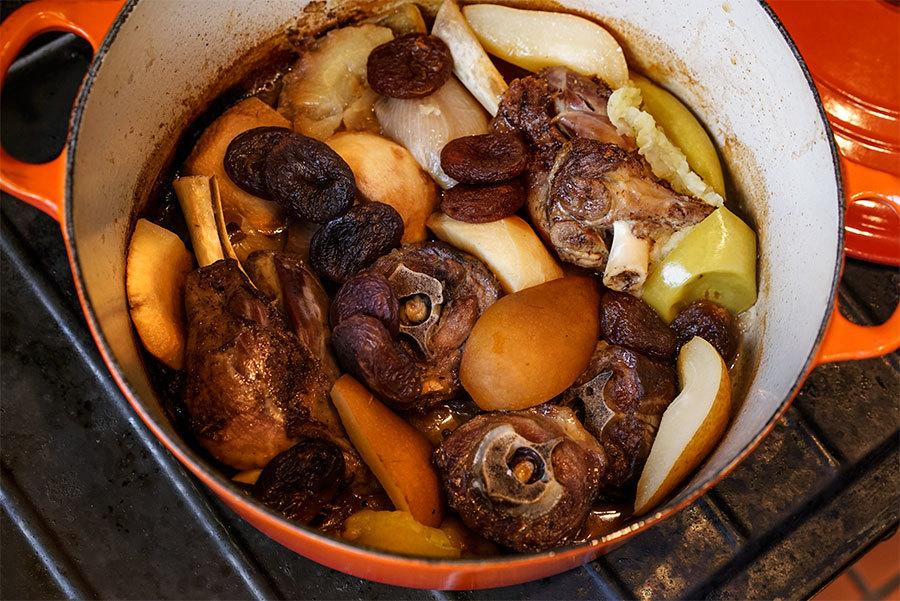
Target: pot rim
231,493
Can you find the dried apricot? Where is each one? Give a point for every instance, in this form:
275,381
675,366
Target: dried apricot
411,66
481,204
485,159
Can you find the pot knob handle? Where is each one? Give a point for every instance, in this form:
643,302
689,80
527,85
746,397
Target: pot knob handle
43,185
872,233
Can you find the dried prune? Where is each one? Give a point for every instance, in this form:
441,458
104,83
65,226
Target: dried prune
485,159
370,294
345,245
366,349
711,322
301,480
411,66
481,204
246,157
308,178
628,321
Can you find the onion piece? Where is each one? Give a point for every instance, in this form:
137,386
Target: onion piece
425,125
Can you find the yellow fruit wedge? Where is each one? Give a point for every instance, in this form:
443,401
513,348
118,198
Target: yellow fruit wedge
530,346
399,532
716,260
691,426
398,455
534,39
509,247
157,265
684,130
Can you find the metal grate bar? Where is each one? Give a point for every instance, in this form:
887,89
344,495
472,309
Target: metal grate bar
46,547
15,250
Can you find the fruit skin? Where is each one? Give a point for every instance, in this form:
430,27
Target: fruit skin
534,39
156,268
530,346
508,246
716,260
684,130
688,427
387,172
399,532
398,455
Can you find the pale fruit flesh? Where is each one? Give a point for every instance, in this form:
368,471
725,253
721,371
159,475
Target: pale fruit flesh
387,172
684,130
530,346
398,455
535,39
690,427
156,268
509,247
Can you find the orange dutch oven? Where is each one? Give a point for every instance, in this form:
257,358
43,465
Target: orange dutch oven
157,65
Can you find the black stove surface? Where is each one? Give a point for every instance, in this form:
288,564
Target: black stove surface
95,507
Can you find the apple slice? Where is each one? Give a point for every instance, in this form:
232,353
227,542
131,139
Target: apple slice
509,247
691,426
155,269
398,455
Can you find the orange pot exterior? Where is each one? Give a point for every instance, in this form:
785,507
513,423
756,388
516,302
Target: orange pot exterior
43,186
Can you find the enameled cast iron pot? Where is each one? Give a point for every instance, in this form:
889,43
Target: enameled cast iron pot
157,64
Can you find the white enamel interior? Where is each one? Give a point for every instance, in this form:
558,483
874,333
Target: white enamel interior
727,60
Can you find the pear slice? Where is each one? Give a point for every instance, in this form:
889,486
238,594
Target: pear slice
471,63
691,426
508,246
157,265
534,39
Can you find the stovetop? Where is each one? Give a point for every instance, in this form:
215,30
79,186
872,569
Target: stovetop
94,506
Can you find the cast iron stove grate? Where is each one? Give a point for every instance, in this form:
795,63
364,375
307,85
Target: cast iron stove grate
95,507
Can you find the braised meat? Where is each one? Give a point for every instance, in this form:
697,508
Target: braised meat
624,395
590,186
524,479
251,384
584,175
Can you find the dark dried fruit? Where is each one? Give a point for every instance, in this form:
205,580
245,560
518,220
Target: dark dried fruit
246,156
481,204
308,178
301,480
485,159
366,349
440,293
628,321
411,66
345,245
369,294
712,323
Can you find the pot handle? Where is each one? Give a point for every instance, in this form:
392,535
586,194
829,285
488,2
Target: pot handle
872,233
43,185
